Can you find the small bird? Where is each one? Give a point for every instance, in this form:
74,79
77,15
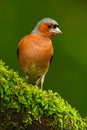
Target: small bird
35,51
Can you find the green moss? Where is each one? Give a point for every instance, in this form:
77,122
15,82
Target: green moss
24,106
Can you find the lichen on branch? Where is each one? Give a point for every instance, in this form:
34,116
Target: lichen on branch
23,106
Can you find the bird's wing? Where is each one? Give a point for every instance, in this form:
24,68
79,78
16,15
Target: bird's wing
51,58
17,52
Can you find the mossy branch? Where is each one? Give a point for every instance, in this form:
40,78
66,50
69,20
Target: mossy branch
26,107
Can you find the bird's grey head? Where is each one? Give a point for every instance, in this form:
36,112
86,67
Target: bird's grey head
45,20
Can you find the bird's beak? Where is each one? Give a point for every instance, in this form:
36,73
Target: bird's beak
57,30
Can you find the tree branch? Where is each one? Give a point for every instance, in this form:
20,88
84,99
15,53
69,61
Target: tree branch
26,107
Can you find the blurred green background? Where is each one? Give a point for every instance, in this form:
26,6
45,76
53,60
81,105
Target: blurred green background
68,72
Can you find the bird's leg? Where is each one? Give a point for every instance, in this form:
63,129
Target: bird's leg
38,80
42,81
27,76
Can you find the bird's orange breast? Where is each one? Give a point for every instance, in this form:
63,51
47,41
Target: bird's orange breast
35,52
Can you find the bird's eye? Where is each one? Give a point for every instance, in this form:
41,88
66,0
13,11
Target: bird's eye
55,26
49,26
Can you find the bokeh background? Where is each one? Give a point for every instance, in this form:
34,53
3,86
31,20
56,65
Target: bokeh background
68,71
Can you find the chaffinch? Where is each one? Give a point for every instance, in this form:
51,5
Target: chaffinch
35,51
